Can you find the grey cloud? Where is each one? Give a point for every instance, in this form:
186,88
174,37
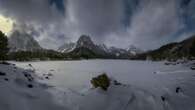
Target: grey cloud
151,23
155,22
36,16
39,11
96,17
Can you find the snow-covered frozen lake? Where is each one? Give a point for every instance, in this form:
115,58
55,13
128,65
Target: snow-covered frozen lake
144,74
148,85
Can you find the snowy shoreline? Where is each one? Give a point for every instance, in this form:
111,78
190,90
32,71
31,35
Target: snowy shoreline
16,94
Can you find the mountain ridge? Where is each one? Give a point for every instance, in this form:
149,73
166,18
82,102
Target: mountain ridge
85,44
175,50
21,41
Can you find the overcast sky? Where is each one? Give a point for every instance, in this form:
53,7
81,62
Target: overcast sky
147,24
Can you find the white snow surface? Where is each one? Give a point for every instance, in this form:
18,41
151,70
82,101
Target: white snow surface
144,84
16,95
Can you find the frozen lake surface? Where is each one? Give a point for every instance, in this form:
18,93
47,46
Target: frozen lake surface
145,74
150,85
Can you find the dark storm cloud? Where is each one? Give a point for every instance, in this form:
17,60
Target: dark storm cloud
156,21
39,16
96,17
30,10
145,23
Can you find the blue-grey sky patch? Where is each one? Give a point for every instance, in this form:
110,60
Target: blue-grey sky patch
59,5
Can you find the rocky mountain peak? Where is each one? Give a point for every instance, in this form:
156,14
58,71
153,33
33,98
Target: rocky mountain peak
85,41
21,41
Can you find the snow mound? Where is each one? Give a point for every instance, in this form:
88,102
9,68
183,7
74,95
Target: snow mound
20,90
117,98
127,97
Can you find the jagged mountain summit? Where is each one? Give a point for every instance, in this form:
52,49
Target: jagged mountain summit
85,42
86,47
21,41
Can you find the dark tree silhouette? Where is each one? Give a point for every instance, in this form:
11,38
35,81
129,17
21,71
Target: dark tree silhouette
3,46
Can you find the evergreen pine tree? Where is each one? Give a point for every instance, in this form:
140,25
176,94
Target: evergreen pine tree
3,46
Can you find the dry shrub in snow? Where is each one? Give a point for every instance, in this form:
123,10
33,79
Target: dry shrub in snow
101,81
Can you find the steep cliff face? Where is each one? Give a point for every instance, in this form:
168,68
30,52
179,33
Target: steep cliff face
19,41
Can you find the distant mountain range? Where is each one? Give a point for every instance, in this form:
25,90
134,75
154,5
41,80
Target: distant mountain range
24,45
85,47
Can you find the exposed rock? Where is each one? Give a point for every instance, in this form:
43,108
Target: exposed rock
6,79
30,86
116,82
163,98
28,76
48,75
192,68
2,74
178,89
85,41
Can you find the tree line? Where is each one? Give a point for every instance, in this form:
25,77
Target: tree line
3,46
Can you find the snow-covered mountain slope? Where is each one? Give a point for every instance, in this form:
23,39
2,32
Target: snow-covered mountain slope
118,51
113,50
85,44
20,90
104,47
67,47
134,50
20,41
